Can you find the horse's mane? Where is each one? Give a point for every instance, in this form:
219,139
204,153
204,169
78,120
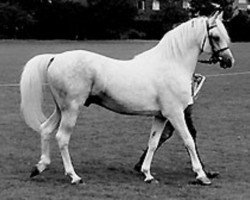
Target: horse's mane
176,39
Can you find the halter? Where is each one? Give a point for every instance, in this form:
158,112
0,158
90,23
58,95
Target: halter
215,53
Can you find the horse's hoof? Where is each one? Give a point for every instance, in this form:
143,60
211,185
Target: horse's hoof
34,172
78,182
213,174
151,181
203,181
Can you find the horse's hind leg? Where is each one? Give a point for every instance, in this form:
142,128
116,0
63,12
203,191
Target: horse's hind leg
68,119
178,121
157,128
46,129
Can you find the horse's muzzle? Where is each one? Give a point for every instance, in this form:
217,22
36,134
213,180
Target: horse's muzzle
226,62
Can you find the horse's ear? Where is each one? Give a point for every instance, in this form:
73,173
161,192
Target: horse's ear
217,14
220,16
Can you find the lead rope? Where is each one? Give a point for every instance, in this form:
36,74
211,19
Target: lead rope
210,61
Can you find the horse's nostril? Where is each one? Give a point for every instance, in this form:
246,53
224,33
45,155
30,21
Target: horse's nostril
230,62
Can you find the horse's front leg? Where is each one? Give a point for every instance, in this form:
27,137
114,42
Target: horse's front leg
156,131
192,130
178,121
166,134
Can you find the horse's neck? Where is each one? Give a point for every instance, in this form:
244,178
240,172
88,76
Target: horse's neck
182,45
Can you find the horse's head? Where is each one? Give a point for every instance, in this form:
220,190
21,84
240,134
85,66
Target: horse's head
216,41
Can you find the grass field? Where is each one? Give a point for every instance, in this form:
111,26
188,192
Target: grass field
105,145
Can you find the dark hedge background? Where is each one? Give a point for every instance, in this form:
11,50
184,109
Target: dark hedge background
108,19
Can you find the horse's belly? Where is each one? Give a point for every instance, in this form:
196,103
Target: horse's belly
125,107
129,110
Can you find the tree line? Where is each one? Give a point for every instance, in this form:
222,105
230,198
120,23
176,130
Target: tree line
107,19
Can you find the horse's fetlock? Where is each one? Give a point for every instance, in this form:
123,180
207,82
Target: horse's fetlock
45,160
144,170
68,173
199,171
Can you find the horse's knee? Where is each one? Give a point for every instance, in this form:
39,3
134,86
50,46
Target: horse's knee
62,139
45,135
152,147
189,143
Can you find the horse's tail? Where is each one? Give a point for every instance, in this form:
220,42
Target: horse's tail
31,88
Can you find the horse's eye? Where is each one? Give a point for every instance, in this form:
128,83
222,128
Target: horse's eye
216,38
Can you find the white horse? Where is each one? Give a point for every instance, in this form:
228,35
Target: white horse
155,83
